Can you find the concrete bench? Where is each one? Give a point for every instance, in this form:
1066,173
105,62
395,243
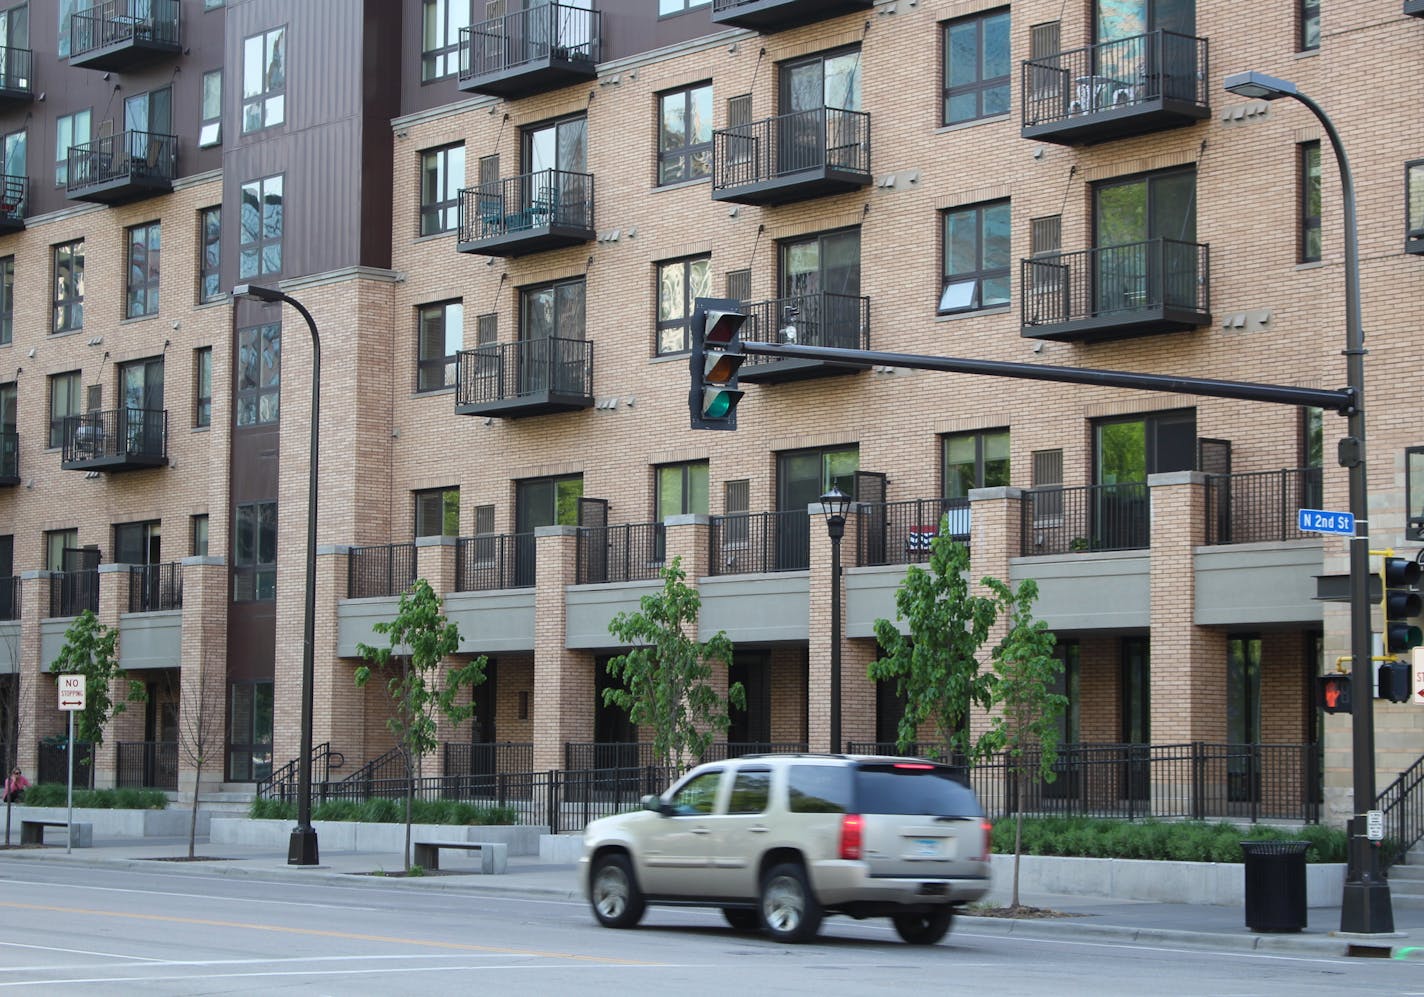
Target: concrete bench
81,833
494,856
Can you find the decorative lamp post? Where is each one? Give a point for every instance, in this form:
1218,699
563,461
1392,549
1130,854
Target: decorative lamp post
835,506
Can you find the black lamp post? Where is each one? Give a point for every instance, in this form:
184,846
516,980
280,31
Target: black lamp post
302,848
835,504
1366,907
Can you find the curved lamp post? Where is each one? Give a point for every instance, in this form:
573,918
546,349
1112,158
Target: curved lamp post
835,505
1366,907
302,848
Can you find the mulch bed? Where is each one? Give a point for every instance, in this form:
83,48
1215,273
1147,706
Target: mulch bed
192,858
1020,912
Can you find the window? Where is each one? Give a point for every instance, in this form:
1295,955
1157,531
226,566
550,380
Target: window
975,460
64,402
68,286
976,67
210,131
210,264
667,8
440,37
1066,684
685,134
264,80
442,174
150,112
697,796
1312,457
8,417
1414,489
254,542
56,543
65,9
976,258
553,310
260,240
69,130
249,727
142,293
441,335
212,4
1243,689
1310,245
682,489
7,299
203,387
1309,25
679,284
259,374
750,792
198,530
138,543
437,512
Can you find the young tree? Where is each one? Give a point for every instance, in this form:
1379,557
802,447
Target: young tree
200,735
1025,724
421,638
936,668
664,677
89,650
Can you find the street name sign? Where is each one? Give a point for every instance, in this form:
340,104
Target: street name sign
1322,521
71,692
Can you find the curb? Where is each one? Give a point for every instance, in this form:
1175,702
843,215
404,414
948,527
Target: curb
1318,944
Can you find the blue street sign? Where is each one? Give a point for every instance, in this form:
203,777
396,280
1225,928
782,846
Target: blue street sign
1320,521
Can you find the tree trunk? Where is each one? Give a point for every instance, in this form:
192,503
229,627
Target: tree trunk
409,805
1018,840
193,821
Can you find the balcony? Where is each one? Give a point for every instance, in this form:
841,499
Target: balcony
1260,506
530,213
72,592
904,532
792,157
494,562
129,166
380,571
16,76
122,35
1117,292
531,51
767,16
14,195
1086,519
632,552
1131,86
126,439
529,377
9,458
756,542
821,319
154,588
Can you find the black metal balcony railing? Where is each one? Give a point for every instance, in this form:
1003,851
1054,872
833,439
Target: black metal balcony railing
753,542
9,457
14,198
1126,86
494,562
10,598
115,439
16,73
53,763
1088,518
775,15
528,213
524,52
632,552
1261,505
527,377
147,765
72,592
792,157
901,532
132,27
155,587
382,570
126,166
1142,287
818,319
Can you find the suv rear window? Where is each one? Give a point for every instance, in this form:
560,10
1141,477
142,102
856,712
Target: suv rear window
900,789
818,789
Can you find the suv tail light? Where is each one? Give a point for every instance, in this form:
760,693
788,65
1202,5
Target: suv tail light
851,827
988,829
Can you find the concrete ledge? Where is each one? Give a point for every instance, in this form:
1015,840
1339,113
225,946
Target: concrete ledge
560,847
355,836
118,823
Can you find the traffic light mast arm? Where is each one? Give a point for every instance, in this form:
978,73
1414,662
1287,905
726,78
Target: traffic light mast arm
1341,401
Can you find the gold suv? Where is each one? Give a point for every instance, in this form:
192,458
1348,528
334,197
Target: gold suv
779,841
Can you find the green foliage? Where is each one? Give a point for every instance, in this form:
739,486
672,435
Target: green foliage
1161,841
89,650
1025,727
936,668
55,794
386,811
664,678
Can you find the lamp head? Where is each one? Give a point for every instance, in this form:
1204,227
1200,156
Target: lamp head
1259,86
835,504
257,292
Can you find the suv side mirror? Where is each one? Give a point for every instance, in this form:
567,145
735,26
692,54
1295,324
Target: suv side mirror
655,804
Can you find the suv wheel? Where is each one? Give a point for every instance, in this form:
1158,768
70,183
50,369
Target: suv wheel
616,900
789,911
924,929
741,918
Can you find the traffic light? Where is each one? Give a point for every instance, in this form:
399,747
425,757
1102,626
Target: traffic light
1395,681
1401,603
1332,693
716,356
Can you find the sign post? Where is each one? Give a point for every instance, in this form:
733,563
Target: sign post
71,700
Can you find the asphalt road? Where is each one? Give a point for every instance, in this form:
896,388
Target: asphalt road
72,930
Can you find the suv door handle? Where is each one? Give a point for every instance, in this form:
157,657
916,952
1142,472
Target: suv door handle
701,830
758,829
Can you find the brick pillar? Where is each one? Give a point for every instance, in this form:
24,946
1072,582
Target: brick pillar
114,583
563,679
435,559
202,731
36,703
995,525
856,687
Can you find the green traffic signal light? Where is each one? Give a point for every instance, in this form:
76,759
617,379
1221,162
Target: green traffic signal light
716,357
718,403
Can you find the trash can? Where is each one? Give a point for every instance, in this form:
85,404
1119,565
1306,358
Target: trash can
1275,884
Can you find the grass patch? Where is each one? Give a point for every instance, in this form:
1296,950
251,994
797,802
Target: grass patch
1174,841
55,794
386,811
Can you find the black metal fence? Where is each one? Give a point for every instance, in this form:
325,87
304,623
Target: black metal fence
1260,506
383,570
113,22
131,155
1086,518
282,783
116,434
155,587
632,552
1115,76
72,592
494,562
1115,280
482,758
540,200
54,763
821,319
543,31
1403,805
526,368
828,138
753,542
10,598
901,532
148,764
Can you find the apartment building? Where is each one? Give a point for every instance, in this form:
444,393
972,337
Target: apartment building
498,215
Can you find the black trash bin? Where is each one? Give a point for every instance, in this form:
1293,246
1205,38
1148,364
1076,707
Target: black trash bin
1275,885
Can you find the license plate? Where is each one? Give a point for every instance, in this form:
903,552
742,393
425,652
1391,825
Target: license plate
924,848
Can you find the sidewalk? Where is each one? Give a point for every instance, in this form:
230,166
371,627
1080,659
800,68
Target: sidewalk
1119,921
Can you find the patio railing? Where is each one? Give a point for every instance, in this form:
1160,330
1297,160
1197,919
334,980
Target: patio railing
1260,505
1084,519
382,570
754,542
901,532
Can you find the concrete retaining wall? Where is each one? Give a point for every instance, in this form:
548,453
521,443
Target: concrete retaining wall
117,823
354,836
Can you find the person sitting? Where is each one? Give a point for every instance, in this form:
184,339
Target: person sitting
15,787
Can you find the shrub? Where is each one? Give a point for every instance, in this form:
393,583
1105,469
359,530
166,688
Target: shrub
380,810
1179,841
55,794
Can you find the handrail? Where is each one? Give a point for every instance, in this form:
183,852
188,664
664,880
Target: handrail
1402,802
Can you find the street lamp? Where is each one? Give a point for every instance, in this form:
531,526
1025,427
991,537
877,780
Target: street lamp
1366,907
302,848
835,504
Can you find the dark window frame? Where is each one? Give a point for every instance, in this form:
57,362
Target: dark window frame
446,365
527,292
1309,240
141,294
1414,497
61,163
75,389
981,84
249,547
680,322
439,215
685,469
202,387
685,6
262,241
980,438
7,299
982,273
1308,36
198,534
263,394
685,156
210,125
443,494
443,61
67,305
262,98
210,254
